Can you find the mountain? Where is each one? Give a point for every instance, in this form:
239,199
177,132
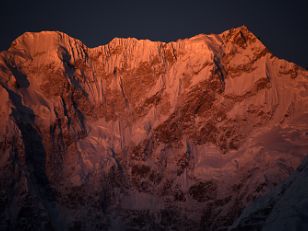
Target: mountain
144,135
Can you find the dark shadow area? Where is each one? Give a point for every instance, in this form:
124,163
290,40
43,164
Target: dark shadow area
70,73
70,69
35,154
21,78
81,118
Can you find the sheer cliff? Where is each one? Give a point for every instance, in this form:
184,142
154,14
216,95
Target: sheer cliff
145,135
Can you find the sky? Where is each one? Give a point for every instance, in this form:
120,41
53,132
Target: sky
281,25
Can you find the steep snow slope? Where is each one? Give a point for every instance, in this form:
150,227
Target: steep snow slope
285,208
145,135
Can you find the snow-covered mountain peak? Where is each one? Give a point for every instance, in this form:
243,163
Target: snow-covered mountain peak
144,134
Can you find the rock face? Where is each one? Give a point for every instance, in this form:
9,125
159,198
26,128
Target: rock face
143,135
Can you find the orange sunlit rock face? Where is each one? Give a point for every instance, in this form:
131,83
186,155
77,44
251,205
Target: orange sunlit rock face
143,134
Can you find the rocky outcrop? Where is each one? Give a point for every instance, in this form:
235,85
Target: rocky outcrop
137,134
